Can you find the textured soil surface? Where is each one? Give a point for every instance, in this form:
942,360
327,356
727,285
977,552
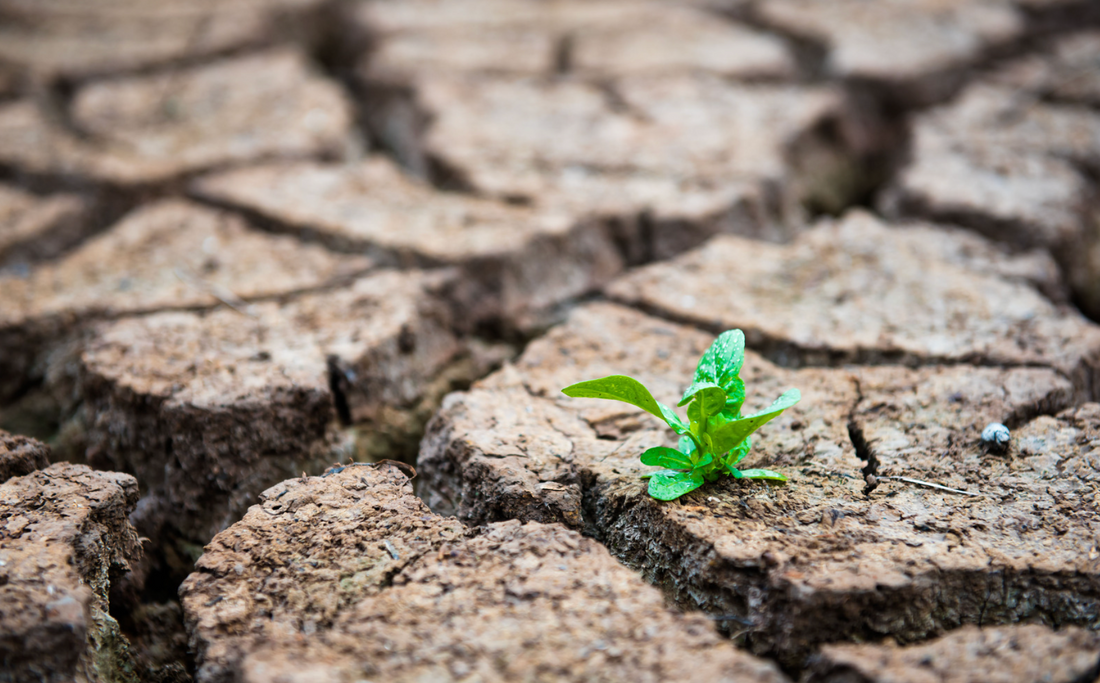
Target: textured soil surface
1005,653
64,535
289,290
1014,157
816,560
20,455
380,586
178,396
517,262
152,129
34,228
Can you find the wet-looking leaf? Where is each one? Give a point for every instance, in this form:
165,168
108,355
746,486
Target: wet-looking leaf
716,438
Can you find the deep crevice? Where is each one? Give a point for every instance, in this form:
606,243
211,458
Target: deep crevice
337,384
864,450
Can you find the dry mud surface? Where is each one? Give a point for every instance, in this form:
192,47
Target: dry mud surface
21,455
1014,157
243,241
166,255
150,130
64,535
178,397
33,228
387,589
816,560
1005,653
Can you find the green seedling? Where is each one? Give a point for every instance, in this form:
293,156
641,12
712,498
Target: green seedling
716,436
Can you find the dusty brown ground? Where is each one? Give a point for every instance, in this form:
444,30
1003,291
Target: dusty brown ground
243,241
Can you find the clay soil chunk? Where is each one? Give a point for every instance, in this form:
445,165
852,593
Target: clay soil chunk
1007,654
697,154
1010,157
57,38
517,262
917,50
610,39
859,290
664,38
148,130
210,409
1065,72
21,455
33,228
816,560
63,535
167,255
350,576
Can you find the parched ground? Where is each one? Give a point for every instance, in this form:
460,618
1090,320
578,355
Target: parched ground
289,290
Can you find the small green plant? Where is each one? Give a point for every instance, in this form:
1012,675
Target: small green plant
716,436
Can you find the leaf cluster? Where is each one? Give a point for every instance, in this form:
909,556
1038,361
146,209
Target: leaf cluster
715,437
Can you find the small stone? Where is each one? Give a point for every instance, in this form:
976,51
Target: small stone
996,437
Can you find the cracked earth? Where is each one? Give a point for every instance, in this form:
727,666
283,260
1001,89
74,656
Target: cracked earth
289,290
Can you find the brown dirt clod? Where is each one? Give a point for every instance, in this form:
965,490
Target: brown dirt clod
170,254
21,455
52,39
349,574
518,263
916,52
37,228
210,409
858,290
146,131
1014,157
814,561
63,535
1005,654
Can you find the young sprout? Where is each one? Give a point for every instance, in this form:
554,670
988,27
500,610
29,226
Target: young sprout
716,436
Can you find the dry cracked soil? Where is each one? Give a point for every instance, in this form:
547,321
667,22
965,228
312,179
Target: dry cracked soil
289,290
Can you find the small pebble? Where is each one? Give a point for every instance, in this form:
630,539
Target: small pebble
995,437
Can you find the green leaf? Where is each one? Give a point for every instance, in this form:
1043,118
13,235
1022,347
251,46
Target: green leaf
704,464
702,387
709,400
720,420
686,445
732,433
722,361
672,486
738,452
647,475
731,356
763,474
734,471
667,457
672,419
695,414
620,388
735,396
